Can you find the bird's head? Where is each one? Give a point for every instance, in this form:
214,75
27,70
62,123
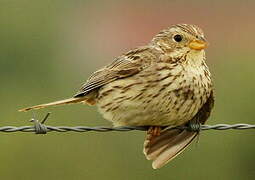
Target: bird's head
180,39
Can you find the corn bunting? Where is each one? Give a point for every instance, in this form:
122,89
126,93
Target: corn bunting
164,83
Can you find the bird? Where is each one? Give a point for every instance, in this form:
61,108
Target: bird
165,83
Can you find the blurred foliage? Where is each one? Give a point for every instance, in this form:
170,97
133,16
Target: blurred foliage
48,48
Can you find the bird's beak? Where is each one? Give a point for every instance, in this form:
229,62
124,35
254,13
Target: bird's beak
198,44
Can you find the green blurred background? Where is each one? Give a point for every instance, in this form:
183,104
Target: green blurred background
47,50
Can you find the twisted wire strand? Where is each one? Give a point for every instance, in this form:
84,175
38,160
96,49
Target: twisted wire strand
40,128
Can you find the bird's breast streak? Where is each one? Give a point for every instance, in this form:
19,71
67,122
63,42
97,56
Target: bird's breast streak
168,97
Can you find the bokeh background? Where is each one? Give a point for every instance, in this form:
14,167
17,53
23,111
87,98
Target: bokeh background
47,50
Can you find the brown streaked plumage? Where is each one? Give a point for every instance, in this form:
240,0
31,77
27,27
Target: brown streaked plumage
165,83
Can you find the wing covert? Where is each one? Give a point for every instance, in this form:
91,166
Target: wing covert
124,66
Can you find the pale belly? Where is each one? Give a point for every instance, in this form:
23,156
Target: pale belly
153,100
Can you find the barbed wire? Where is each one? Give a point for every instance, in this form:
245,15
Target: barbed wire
41,128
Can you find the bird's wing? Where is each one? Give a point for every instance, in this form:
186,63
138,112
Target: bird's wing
170,143
124,66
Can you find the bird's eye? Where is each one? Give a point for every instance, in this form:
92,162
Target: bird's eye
178,38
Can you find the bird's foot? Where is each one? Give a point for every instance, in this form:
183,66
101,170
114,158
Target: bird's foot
154,131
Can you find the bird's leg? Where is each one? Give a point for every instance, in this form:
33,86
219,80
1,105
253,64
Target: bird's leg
154,131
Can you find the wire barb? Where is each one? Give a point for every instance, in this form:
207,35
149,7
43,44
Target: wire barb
39,127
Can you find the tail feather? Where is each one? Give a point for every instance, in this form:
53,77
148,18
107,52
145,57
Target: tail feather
61,102
167,146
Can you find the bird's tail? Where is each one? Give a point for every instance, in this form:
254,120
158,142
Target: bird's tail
61,102
163,148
